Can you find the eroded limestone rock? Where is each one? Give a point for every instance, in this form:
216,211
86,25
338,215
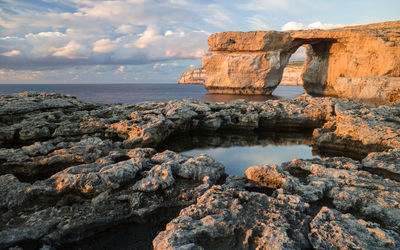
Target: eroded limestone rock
331,229
88,171
350,62
226,218
331,203
194,76
84,199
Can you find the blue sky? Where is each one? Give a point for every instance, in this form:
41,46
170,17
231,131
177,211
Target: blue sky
147,41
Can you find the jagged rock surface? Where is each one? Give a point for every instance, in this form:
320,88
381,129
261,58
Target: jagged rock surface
226,218
84,199
329,203
362,56
69,170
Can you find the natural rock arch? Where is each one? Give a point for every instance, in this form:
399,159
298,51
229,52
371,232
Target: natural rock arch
340,62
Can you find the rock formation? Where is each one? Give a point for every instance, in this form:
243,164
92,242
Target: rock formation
291,75
75,175
195,76
253,62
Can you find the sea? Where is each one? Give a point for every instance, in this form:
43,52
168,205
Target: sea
136,93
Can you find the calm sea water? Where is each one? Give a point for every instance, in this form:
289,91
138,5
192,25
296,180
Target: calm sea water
238,151
135,93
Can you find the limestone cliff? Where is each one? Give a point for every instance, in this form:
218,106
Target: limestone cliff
291,75
195,76
253,62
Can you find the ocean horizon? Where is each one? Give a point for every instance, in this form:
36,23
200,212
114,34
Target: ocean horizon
135,93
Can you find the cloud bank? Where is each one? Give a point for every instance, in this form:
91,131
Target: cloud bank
144,40
96,33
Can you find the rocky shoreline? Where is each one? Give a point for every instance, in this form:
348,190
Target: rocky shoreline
70,170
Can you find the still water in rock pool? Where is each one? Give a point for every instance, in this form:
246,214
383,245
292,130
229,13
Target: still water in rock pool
237,152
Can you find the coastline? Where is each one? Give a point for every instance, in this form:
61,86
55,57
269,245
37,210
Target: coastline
71,169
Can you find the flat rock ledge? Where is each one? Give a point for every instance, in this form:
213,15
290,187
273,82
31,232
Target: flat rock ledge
74,173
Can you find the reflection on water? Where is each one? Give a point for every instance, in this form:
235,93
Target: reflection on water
239,151
229,98
280,92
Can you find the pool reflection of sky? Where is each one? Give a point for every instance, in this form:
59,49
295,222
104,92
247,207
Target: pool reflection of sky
237,159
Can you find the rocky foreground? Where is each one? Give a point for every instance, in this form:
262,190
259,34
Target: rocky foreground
74,172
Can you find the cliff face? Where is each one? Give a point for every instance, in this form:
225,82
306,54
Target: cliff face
291,75
195,76
253,62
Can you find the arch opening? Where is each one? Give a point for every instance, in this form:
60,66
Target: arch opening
306,64
292,71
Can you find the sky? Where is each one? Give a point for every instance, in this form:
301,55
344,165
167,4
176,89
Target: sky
148,41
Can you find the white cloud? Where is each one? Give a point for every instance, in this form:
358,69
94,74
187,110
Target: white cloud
320,25
173,44
121,69
11,53
294,26
125,29
150,36
44,44
105,45
172,33
315,25
72,50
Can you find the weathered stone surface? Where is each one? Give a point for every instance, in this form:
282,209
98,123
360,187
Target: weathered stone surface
384,161
45,158
363,210
226,218
346,126
291,76
357,55
84,199
89,171
372,89
194,76
356,123
254,73
331,229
